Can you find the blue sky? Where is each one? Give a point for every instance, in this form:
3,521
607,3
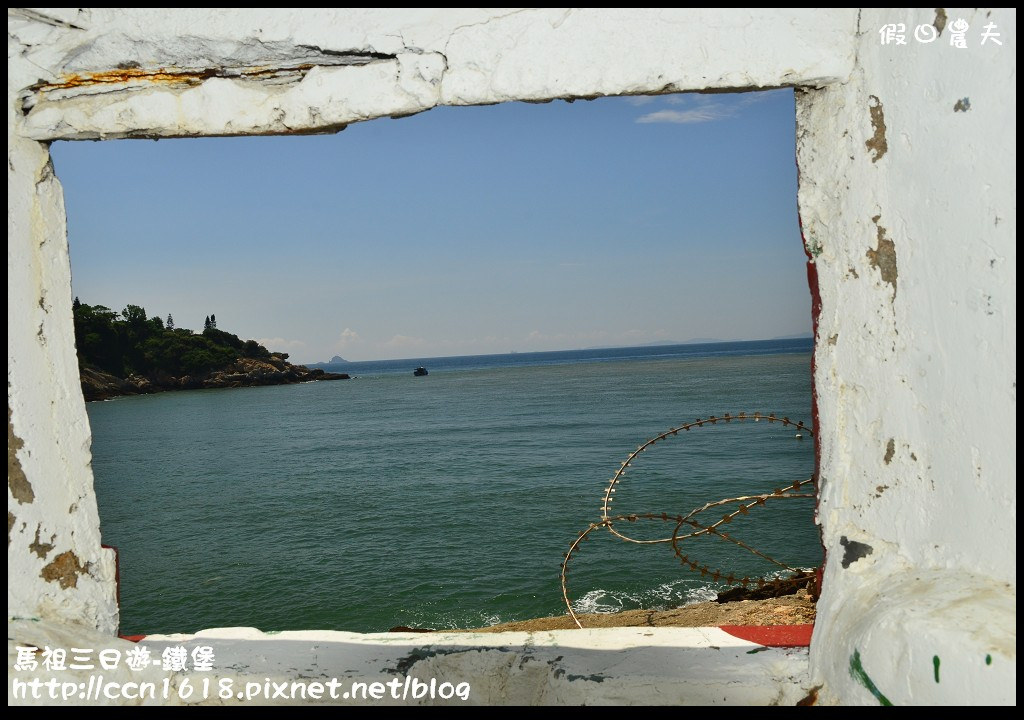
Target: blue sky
458,231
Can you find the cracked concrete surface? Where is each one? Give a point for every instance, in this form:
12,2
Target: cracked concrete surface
460,57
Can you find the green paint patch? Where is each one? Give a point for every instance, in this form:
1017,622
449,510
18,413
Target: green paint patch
988,659
936,662
857,673
756,650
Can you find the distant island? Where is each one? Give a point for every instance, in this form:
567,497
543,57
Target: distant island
128,353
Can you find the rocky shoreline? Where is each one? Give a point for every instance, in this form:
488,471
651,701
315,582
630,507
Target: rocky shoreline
243,372
783,601
796,609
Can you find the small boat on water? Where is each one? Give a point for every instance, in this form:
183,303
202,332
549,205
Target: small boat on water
419,372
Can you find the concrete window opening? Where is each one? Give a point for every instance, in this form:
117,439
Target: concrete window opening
907,205
607,223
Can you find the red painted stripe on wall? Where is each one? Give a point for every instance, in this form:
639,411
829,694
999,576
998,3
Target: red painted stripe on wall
773,635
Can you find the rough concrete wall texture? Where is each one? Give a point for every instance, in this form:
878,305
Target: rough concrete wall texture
907,199
603,666
142,72
909,212
56,567
106,73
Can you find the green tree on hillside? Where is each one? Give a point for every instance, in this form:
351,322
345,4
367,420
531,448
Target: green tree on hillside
97,338
133,343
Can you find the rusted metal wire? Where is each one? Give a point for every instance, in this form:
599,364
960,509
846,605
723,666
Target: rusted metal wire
746,503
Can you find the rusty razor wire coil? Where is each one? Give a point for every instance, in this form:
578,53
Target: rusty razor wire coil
685,525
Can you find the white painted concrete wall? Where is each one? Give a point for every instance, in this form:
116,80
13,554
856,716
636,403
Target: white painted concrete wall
916,360
607,666
907,195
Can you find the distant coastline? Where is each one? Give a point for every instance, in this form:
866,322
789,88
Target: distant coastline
130,353
244,372
444,364
338,360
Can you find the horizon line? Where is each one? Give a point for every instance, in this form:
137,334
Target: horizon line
701,341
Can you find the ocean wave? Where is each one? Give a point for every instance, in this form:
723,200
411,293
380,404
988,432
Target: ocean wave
453,620
667,595
674,594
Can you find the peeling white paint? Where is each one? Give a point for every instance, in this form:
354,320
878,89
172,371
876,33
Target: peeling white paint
47,412
924,366
674,666
46,634
452,57
931,367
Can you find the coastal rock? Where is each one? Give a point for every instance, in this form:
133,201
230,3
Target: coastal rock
772,589
190,382
140,385
98,385
243,372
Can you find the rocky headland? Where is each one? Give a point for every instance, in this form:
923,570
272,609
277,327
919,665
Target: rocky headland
131,353
243,372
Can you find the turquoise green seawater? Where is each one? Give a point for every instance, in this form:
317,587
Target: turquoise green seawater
443,501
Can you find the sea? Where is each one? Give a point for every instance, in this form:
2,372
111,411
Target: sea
450,500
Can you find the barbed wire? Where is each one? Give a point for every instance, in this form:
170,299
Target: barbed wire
746,504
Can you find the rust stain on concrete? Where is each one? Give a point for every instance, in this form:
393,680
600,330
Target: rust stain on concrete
877,143
20,487
42,549
127,74
164,76
811,698
65,569
883,256
890,450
